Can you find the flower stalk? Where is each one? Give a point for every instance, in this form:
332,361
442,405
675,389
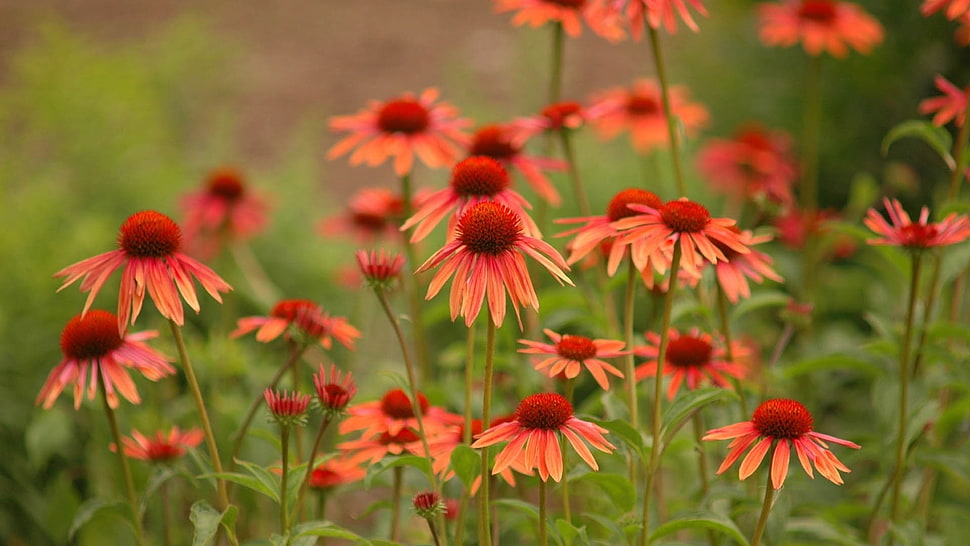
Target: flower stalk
759,530
125,469
668,110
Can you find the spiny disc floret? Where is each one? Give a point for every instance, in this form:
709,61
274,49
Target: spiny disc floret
93,336
547,411
149,234
687,351
403,116
618,208
782,418
489,228
577,348
480,176
492,141
685,216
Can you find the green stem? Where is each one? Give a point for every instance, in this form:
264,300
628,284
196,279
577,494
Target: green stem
311,460
668,111
900,469
467,432
555,76
485,530
434,533
543,540
629,366
765,510
579,190
210,439
697,420
928,308
285,452
295,354
722,311
656,421
566,509
411,281
396,502
125,469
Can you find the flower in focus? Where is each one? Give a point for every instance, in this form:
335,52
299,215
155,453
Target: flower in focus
533,436
953,9
393,413
379,269
640,110
307,319
601,229
559,116
225,210
569,13
287,408
656,13
473,180
790,424
734,272
403,127
919,235
821,25
336,391
569,353
428,504
754,165
148,249
95,353
951,105
500,143
486,259
373,213
161,448
336,471
683,223
692,356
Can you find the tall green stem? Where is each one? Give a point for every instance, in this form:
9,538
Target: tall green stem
668,110
285,453
579,190
210,439
656,419
396,502
411,281
485,530
765,510
125,469
543,540
311,461
629,367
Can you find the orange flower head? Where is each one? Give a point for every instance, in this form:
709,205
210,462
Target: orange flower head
692,357
504,144
533,437
569,13
820,25
397,405
953,9
162,448
406,116
394,412
754,165
336,391
656,13
307,319
287,408
380,269
93,348
558,116
951,105
570,353
334,472
618,207
783,424
919,235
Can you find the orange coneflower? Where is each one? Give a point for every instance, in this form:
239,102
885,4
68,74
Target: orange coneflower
95,353
733,273
372,213
393,413
336,471
307,319
655,12
555,117
569,13
403,127
918,235
639,109
820,25
442,445
691,356
754,165
790,424
533,436
951,105
570,353
377,447
224,210
148,250
486,259
503,144
161,448
953,9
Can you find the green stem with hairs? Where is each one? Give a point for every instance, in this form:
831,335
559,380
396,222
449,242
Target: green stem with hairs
543,540
285,454
765,510
125,469
396,502
467,432
485,530
668,110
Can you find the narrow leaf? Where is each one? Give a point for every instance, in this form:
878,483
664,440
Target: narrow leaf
91,508
685,405
701,519
937,137
627,433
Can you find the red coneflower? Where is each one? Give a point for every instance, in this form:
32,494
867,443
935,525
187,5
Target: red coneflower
533,436
486,259
403,127
691,356
783,424
754,165
639,109
373,213
570,353
473,180
569,13
918,235
734,272
336,471
336,391
377,447
224,210
95,353
393,413
820,25
306,317
656,13
379,267
163,447
559,116
952,105
287,408
148,249
500,142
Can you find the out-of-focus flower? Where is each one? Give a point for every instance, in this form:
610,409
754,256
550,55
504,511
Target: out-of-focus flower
691,356
373,213
96,354
533,436
655,12
428,504
569,13
402,128
486,259
306,318
559,116
639,109
500,143
569,353
734,272
336,471
919,235
148,250
335,391
754,165
224,210
287,408
680,223
784,424
820,25
379,269
951,105
797,225
161,448
375,448
473,180
953,9
393,413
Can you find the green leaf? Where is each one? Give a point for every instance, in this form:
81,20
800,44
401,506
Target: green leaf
685,405
466,463
617,488
822,531
570,532
91,508
326,529
249,482
525,507
421,463
207,519
937,137
700,519
160,475
627,433
831,362
759,300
